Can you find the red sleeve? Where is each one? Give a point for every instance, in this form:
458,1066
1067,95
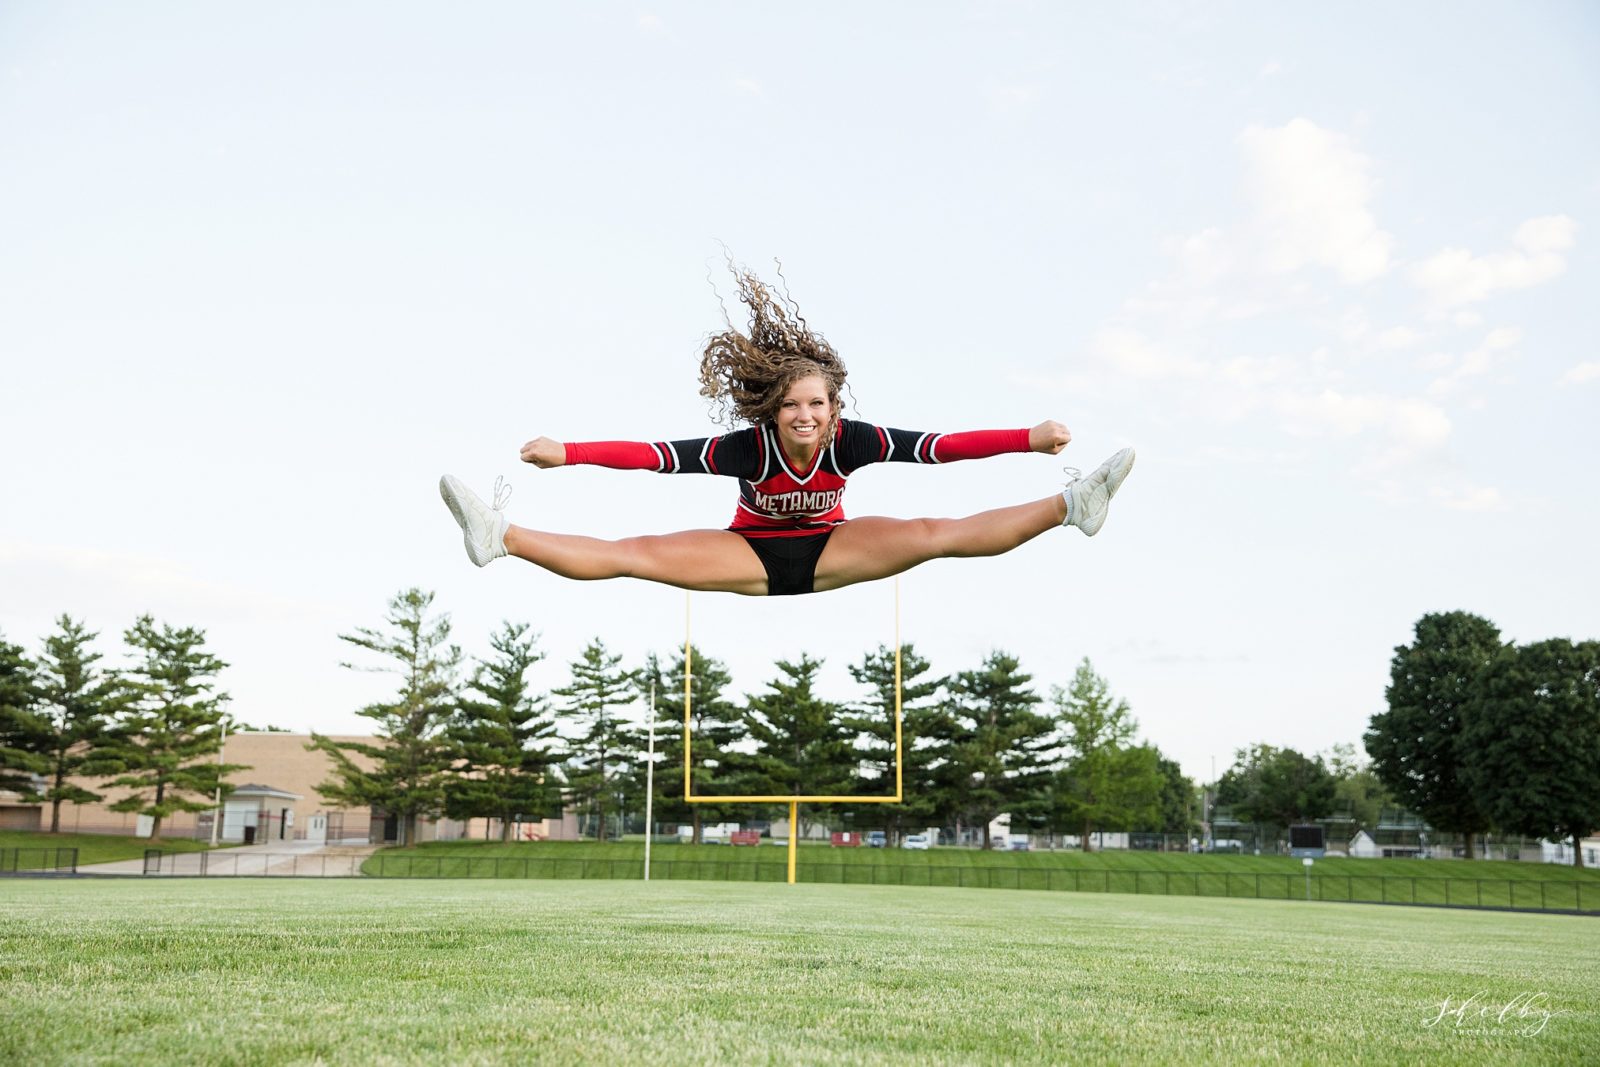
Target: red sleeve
618,455
979,444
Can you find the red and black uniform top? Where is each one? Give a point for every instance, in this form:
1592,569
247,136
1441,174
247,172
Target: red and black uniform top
777,499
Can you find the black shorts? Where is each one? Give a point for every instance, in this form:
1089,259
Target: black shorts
791,562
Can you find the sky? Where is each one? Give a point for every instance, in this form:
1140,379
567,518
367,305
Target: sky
267,272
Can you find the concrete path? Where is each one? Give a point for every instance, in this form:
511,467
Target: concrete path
304,859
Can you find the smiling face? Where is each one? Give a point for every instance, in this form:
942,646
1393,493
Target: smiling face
805,415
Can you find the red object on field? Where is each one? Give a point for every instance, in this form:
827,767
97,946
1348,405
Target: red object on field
846,840
745,837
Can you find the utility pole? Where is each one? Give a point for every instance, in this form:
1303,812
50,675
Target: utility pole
216,816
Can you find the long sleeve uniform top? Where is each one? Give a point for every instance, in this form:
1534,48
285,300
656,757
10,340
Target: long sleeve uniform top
777,499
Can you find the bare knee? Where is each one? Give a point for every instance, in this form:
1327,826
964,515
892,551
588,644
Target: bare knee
940,538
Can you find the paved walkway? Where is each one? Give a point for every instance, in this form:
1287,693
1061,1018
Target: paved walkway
304,859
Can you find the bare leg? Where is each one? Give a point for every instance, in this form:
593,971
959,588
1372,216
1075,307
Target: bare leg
864,550
712,560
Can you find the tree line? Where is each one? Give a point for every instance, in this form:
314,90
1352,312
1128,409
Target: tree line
470,739
1479,734
153,727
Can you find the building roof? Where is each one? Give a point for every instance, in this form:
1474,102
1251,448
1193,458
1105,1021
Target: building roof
254,790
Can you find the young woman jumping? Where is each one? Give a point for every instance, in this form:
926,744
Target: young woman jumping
789,534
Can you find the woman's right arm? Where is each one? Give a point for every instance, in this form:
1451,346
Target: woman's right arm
731,454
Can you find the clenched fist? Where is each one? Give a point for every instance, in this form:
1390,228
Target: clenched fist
1049,437
544,453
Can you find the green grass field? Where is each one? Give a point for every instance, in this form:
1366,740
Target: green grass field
342,971
1464,883
92,848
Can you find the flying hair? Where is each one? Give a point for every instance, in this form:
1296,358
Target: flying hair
745,374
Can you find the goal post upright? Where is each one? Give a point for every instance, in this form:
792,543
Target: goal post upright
792,799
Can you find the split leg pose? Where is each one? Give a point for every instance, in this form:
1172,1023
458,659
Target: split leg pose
789,534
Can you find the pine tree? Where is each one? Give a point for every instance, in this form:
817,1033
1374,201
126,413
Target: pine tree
406,773
1107,779
1001,742
164,741
716,722
502,744
603,750
78,702
25,733
801,744
926,730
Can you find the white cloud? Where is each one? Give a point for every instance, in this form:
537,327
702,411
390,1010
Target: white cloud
1470,498
1138,357
1454,276
1495,349
1410,424
651,24
1583,373
747,87
1398,337
1310,189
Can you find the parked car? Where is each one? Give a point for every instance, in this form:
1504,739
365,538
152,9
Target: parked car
919,841
877,839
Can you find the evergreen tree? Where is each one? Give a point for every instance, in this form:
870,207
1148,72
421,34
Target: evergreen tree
1107,779
1532,737
502,742
603,746
1415,745
802,746
165,740
25,733
998,759
926,730
405,774
717,723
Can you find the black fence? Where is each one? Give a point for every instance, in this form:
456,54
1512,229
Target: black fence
1538,894
38,860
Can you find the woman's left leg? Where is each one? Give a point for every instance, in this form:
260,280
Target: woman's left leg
864,550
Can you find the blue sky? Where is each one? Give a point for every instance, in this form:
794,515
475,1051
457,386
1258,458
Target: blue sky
266,273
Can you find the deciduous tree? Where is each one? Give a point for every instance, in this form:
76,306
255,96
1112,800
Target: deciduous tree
1531,735
1415,745
1107,780
1276,786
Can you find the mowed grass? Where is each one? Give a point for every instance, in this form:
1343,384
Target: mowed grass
1455,882
38,849
356,972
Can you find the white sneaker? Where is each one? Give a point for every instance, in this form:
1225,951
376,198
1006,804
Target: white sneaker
483,527
1089,498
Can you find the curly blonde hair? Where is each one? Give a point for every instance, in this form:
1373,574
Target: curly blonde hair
747,374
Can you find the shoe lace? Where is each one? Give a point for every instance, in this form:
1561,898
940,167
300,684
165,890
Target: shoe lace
1073,474
502,493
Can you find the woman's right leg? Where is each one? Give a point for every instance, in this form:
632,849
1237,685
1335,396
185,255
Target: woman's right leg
708,560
